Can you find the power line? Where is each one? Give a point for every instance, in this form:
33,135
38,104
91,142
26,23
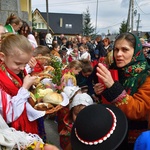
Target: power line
141,9
70,3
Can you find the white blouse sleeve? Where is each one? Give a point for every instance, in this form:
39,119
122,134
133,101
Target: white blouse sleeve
15,106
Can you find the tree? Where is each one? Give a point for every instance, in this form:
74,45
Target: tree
123,27
88,29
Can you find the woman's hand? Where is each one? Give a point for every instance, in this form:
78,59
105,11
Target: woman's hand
104,74
28,81
98,88
32,62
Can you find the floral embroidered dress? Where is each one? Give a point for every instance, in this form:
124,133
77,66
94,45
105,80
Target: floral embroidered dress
14,105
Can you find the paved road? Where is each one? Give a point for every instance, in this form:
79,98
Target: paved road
51,131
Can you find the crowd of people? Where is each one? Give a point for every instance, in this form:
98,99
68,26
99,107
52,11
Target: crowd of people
104,85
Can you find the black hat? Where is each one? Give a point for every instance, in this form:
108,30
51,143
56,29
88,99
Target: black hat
99,127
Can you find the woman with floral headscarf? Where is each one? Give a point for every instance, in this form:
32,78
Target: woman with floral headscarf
131,93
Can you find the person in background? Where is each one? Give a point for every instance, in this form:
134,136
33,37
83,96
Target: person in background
98,127
74,54
69,46
55,50
64,42
64,56
79,101
131,92
82,77
142,40
36,35
26,31
109,50
13,24
2,31
35,65
98,45
84,54
94,62
70,72
49,40
146,51
86,41
68,79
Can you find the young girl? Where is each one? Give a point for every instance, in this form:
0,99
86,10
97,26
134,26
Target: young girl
15,53
55,51
74,54
68,74
84,54
68,79
13,24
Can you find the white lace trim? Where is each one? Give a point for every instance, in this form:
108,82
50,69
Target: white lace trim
12,138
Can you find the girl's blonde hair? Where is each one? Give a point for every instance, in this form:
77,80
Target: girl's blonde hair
14,41
75,64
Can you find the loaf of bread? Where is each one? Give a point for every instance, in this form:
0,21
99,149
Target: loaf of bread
53,98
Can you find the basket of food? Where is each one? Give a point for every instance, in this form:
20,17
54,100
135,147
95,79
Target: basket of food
44,95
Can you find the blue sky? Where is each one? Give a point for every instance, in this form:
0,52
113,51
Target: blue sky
110,13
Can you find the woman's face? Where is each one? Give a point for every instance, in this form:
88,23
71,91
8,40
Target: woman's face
123,53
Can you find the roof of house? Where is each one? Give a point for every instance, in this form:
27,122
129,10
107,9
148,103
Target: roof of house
71,23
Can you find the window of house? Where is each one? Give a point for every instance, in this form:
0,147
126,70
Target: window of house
39,25
42,25
35,24
69,26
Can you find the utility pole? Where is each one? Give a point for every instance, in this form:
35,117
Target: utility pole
128,19
47,16
138,21
132,16
96,16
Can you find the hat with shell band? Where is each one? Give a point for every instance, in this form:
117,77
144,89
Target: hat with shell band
99,127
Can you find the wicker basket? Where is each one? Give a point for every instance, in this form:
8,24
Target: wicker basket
50,110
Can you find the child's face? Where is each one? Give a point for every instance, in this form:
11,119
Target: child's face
76,110
75,50
82,50
76,71
17,61
57,49
96,56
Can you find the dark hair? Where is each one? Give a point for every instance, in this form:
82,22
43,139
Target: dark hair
55,45
128,37
87,67
23,28
69,43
